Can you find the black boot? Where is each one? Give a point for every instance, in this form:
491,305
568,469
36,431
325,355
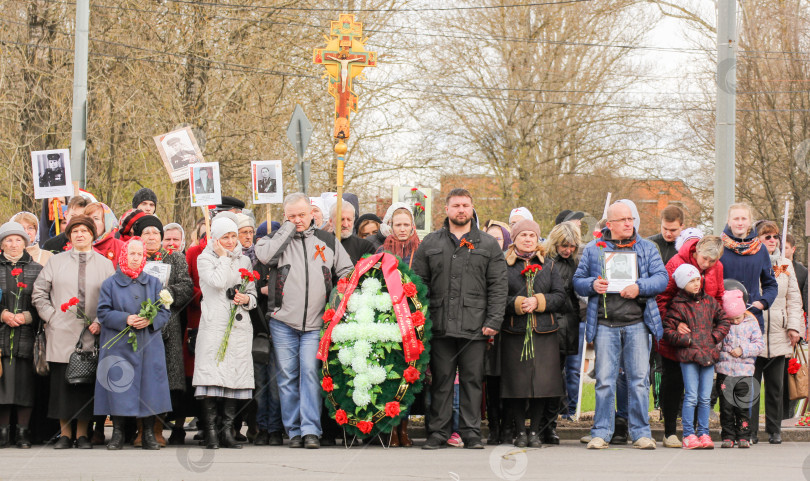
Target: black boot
228,416
23,437
148,440
620,432
209,406
117,439
4,435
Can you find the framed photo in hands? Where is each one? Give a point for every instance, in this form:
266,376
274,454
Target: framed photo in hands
621,270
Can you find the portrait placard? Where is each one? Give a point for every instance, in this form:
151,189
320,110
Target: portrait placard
178,149
51,173
203,180
621,270
420,199
266,182
158,270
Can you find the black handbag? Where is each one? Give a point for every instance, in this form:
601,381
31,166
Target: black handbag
261,348
82,364
40,364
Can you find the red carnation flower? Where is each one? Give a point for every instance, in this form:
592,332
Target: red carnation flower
392,409
425,197
420,347
411,375
22,285
793,366
418,318
601,244
16,272
256,276
597,234
212,207
326,384
365,427
409,289
328,315
73,301
67,247
170,251
341,417
65,307
243,272
342,284
414,189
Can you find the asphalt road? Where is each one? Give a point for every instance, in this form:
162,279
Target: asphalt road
569,461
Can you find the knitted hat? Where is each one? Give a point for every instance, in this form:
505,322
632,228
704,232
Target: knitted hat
687,234
733,303
243,220
128,221
525,225
684,274
521,211
222,226
14,228
226,215
142,195
147,221
78,220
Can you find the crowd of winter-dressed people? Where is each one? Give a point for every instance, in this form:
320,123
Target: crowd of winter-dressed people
704,319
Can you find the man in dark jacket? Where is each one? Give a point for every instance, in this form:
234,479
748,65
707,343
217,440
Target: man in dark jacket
465,272
354,245
671,227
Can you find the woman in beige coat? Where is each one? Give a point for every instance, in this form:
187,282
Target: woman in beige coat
783,322
78,272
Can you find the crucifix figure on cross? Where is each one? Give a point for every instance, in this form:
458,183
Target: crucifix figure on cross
344,58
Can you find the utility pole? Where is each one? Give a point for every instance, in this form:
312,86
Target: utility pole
725,135
78,131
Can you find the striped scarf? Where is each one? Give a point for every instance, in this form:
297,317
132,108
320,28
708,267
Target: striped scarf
742,248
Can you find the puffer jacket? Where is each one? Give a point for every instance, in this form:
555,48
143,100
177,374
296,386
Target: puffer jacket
467,286
217,275
568,316
707,321
652,280
23,335
784,313
747,337
547,288
712,281
307,262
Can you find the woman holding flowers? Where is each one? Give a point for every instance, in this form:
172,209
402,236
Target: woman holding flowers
74,274
223,363
131,380
18,326
530,351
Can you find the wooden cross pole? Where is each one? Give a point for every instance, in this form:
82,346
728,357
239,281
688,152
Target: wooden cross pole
344,58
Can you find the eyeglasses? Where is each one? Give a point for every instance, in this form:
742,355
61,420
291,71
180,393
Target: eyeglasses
771,236
625,220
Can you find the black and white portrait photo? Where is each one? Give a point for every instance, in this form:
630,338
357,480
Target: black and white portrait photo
178,149
621,270
266,181
51,169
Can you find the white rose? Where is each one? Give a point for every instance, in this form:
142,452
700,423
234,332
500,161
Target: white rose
166,298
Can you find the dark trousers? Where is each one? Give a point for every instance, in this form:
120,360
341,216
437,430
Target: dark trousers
446,355
538,413
494,410
735,404
769,371
671,394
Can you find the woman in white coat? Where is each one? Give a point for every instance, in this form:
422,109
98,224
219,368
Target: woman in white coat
783,323
227,381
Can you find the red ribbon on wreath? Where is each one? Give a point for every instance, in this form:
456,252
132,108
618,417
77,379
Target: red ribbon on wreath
410,346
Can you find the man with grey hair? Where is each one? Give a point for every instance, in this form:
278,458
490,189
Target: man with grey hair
304,263
354,245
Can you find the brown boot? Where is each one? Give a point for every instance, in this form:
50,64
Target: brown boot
394,438
137,443
159,432
404,440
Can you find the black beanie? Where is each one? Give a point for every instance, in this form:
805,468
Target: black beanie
147,221
142,195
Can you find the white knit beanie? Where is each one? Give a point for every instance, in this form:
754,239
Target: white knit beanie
684,274
222,226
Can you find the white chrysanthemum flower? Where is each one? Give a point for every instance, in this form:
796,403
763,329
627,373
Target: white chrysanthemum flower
361,398
359,364
361,382
382,302
376,374
371,286
356,301
362,348
345,355
364,315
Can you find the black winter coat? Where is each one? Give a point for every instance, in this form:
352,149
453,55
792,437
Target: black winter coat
548,289
707,321
568,316
23,335
467,287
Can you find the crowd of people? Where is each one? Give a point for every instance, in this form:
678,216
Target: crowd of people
144,308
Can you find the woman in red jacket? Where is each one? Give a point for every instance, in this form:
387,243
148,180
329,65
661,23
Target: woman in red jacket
705,255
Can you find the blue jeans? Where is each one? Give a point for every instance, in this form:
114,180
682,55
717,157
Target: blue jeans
632,343
268,412
572,366
298,380
621,391
697,384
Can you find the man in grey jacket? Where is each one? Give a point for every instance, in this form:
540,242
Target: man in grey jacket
465,272
306,263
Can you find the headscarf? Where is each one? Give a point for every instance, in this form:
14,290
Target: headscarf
507,236
634,211
385,227
521,211
320,203
123,261
176,226
402,249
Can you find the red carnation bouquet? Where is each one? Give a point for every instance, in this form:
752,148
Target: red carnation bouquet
530,272
793,366
247,277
